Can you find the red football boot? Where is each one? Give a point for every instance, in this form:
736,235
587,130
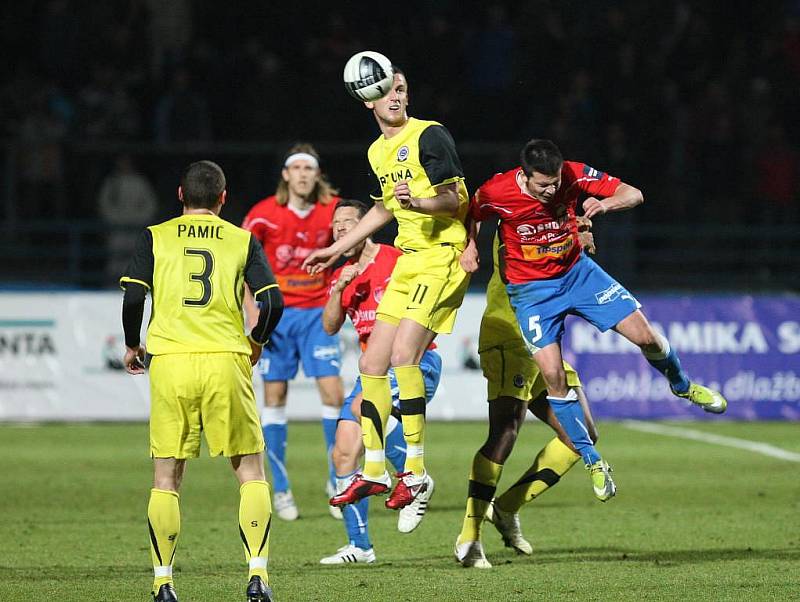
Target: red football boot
408,487
360,488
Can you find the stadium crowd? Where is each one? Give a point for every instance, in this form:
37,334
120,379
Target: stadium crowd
693,100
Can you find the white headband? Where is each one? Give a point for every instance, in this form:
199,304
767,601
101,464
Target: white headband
301,157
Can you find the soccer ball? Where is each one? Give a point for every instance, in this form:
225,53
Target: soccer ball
368,76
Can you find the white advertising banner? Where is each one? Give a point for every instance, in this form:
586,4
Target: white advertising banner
60,359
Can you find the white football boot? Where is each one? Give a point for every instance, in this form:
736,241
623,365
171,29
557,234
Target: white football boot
285,506
411,515
470,555
350,554
507,524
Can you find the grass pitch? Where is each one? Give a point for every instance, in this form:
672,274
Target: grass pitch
692,521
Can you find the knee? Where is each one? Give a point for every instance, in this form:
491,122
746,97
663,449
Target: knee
347,447
556,379
403,357
499,445
367,364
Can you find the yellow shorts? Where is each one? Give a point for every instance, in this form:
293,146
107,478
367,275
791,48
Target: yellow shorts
511,372
428,287
208,392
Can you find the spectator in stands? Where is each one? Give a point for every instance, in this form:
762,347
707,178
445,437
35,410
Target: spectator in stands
41,161
126,203
182,113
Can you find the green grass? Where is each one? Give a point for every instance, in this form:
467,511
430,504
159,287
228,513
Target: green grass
691,522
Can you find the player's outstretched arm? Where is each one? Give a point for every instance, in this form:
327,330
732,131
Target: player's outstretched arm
375,219
624,197
333,314
446,201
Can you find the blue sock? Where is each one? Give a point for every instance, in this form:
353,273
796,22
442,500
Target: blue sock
570,414
275,431
330,417
396,447
355,521
669,365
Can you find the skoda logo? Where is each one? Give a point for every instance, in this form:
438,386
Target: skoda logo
402,153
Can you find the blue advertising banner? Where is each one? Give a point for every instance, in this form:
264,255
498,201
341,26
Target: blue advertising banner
747,347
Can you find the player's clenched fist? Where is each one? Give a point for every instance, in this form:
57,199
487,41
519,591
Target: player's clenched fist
470,260
402,192
346,277
134,360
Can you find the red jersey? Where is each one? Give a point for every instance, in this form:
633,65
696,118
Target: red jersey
360,298
288,238
541,239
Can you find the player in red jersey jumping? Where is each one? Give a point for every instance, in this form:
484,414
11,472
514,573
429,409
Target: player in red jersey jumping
291,224
548,276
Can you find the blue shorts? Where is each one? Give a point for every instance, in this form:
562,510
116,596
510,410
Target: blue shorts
586,290
431,366
300,336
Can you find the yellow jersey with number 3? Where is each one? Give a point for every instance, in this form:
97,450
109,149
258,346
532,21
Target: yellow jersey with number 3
196,266
424,154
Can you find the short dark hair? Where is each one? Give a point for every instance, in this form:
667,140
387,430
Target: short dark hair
358,204
202,183
542,156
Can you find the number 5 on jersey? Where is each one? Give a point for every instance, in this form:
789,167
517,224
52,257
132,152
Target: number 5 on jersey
203,277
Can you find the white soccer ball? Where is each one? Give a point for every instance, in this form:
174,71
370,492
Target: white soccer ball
368,76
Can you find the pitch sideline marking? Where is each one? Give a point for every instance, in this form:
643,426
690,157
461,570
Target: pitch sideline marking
684,433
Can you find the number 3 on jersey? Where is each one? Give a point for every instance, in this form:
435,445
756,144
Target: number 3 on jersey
203,277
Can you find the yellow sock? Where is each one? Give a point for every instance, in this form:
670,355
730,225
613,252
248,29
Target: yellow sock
376,406
551,463
412,408
483,477
255,514
164,521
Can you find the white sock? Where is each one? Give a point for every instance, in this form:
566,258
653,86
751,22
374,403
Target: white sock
273,415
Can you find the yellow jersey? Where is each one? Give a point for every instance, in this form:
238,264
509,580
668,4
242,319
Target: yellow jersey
423,153
499,326
195,267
